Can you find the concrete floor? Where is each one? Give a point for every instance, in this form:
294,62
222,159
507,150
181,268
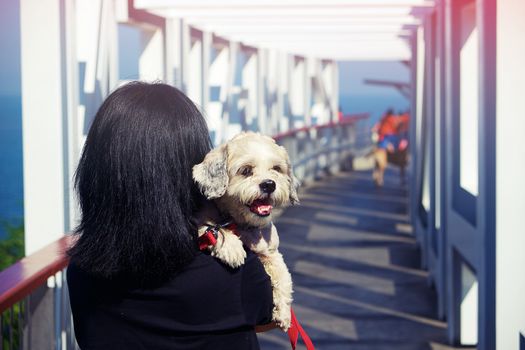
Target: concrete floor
355,266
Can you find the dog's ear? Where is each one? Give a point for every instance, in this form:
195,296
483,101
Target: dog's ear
212,174
293,182
294,185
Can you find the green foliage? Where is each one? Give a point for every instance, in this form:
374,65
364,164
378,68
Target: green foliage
11,326
11,250
12,247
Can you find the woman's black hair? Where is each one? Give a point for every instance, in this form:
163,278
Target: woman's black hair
135,187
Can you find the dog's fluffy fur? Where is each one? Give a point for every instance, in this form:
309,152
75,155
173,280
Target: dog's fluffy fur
232,175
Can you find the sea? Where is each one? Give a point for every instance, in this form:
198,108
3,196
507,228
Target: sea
374,104
11,164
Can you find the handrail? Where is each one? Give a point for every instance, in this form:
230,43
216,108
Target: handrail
318,150
23,277
348,119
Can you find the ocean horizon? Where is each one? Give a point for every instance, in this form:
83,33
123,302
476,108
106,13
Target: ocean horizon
374,104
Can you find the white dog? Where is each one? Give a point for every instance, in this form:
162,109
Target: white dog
247,177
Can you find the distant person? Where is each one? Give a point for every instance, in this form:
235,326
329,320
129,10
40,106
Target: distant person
387,130
391,144
137,279
340,115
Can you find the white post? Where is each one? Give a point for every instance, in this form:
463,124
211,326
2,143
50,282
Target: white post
219,82
326,78
298,92
334,94
151,60
274,108
320,73
205,68
510,172
308,73
249,84
185,39
74,135
283,90
262,76
228,127
173,52
45,142
195,71
110,31
231,120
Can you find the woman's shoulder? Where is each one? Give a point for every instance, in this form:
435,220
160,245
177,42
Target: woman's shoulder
202,263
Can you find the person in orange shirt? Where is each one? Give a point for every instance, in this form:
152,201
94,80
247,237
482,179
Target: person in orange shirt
387,130
391,141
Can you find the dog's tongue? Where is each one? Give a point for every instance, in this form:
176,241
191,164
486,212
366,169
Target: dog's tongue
261,207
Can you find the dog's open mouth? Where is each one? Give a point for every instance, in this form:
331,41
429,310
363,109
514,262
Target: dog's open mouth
261,207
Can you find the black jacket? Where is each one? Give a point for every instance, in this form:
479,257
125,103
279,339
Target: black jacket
205,306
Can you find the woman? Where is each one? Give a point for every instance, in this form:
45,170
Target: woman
136,278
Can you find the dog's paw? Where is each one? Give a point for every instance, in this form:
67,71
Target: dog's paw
229,250
283,317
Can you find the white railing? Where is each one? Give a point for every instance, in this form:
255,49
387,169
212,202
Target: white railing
34,304
327,148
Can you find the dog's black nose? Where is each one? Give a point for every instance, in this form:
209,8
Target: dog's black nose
267,186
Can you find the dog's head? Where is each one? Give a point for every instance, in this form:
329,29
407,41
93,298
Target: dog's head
248,176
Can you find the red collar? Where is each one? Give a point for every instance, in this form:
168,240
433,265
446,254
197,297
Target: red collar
209,238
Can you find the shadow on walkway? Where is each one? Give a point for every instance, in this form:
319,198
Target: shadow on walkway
355,266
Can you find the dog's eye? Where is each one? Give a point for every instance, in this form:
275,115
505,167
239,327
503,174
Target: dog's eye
278,169
246,171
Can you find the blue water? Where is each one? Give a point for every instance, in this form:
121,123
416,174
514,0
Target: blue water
11,166
376,105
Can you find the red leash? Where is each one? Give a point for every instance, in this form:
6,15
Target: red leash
295,330
209,238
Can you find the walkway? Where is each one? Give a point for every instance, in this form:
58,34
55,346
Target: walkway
355,267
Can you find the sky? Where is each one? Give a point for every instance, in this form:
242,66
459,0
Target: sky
352,74
9,48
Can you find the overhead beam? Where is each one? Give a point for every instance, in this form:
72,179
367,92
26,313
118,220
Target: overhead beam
304,29
254,19
320,47
331,29
286,12
376,39
402,87
278,3
358,56
336,41
349,52
304,14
